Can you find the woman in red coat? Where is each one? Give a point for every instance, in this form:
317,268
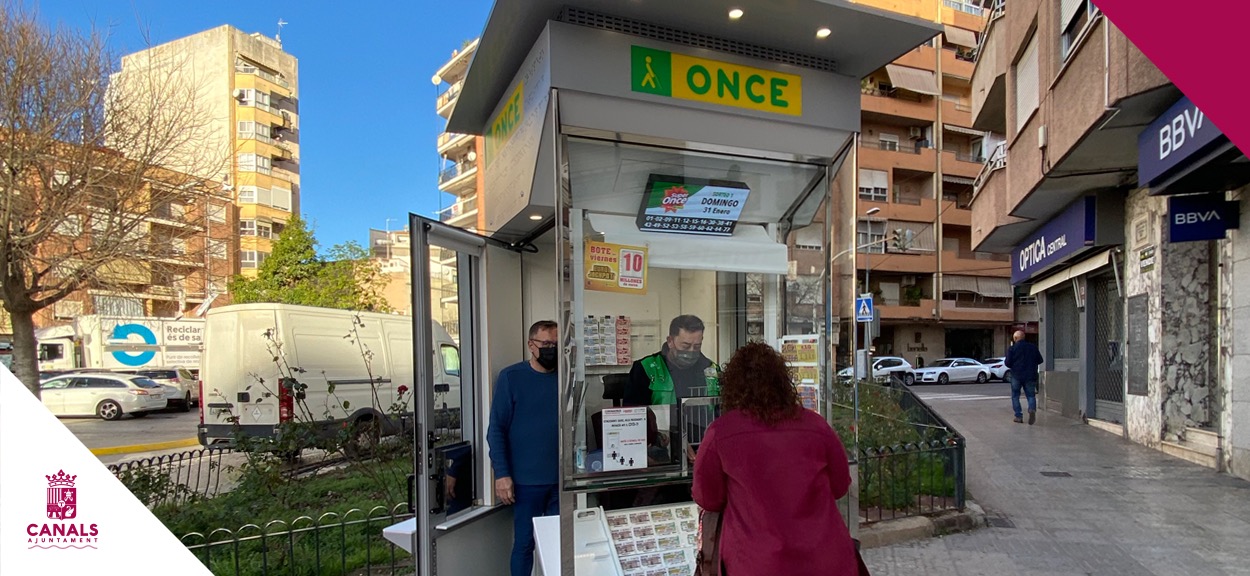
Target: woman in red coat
775,471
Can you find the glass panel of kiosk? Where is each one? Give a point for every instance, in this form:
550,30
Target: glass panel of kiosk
679,261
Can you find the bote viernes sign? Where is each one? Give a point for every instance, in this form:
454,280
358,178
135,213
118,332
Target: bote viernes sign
691,205
676,75
616,268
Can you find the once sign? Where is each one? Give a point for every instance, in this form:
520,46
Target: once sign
703,80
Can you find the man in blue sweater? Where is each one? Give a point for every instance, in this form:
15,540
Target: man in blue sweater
524,438
1022,360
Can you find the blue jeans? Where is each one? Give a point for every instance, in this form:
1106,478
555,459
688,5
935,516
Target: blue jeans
1030,392
531,501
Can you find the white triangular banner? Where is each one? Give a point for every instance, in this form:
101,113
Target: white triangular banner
83,520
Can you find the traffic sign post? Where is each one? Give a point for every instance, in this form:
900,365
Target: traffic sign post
863,308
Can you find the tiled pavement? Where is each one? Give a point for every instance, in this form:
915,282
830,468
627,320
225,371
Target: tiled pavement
1124,510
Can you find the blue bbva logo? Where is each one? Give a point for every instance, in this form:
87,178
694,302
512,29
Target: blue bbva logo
123,332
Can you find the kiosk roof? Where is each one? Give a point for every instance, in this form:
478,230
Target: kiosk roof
863,39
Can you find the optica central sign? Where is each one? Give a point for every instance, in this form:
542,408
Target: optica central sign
676,75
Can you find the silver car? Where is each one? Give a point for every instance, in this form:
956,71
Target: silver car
184,383
104,394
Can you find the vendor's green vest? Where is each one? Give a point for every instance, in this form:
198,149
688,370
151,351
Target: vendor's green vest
662,381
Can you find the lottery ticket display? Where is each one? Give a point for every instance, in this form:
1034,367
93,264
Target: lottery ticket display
802,353
655,541
607,341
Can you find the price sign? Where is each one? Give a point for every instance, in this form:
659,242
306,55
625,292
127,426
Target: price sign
616,268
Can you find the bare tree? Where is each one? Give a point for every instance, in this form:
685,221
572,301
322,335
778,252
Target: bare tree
91,173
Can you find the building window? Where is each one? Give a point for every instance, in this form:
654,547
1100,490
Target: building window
247,227
252,258
870,236
1026,83
873,185
281,199
809,238
217,212
255,98
247,194
255,163
70,226
249,130
264,230
1075,16
889,142
118,306
217,249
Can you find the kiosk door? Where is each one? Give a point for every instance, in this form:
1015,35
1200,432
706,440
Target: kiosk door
452,358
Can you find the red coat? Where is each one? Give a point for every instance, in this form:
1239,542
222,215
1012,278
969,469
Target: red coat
777,487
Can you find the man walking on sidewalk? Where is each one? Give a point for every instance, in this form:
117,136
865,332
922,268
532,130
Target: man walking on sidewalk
1023,360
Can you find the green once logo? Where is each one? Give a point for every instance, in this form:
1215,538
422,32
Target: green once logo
651,71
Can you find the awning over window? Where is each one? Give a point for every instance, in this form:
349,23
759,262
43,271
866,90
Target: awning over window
914,79
987,287
750,249
962,130
873,179
958,180
961,37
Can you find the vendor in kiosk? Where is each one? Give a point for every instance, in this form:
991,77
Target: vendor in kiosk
679,370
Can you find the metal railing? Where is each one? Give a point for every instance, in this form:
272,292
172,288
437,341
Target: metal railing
998,10
975,157
246,69
331,544
174,478
455,171
451,94
996,161
907,147
910,460
908,199
965,8
457,210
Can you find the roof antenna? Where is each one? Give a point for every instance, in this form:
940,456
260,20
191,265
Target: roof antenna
281,23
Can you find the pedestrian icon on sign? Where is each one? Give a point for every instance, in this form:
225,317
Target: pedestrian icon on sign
863,309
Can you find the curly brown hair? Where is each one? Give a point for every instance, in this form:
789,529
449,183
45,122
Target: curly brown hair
757,381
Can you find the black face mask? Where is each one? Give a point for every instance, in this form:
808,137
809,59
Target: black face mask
548,358
684,359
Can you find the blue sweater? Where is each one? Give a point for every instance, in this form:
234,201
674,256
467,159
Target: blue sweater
524,433
1022,359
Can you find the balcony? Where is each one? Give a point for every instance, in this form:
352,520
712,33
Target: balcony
964,14
456,176
447,100
956,213
958,64
904,207
282,151
448,141
957,113
901,262
898,103
460,212
253,70
978,309
922,57
975,263
989,79
962,164
888,154
904,309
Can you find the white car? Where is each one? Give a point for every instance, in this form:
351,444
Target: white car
949,370
884,367
998,369
102,394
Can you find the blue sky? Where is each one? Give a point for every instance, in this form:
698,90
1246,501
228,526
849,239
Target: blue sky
367,120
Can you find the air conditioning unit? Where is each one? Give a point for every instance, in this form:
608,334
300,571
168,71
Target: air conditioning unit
916,132
908,280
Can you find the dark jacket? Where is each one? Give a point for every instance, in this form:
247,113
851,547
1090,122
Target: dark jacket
1023,359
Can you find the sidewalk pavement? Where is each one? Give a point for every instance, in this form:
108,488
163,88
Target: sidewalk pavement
1064,498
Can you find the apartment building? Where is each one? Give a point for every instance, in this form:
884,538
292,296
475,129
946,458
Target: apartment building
249,86
191,224
918,157
1117,201
460,154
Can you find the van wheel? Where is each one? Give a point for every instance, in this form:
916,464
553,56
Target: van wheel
364,438
109,410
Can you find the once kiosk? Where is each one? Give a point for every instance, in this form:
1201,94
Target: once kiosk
642,161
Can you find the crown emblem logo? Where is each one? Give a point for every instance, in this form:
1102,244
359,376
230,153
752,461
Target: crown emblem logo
61,479
62,496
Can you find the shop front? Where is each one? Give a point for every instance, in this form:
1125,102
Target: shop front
1182,340
1073,265
646,168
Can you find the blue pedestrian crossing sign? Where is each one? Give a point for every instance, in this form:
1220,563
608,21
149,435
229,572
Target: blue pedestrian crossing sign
863,309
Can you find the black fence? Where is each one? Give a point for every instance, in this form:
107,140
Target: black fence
350,544
910,459
175,478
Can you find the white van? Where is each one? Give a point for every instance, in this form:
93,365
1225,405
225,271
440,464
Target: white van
240,378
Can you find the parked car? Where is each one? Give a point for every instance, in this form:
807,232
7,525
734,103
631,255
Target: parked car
998,370
884,367
949,370
185,385
104,394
